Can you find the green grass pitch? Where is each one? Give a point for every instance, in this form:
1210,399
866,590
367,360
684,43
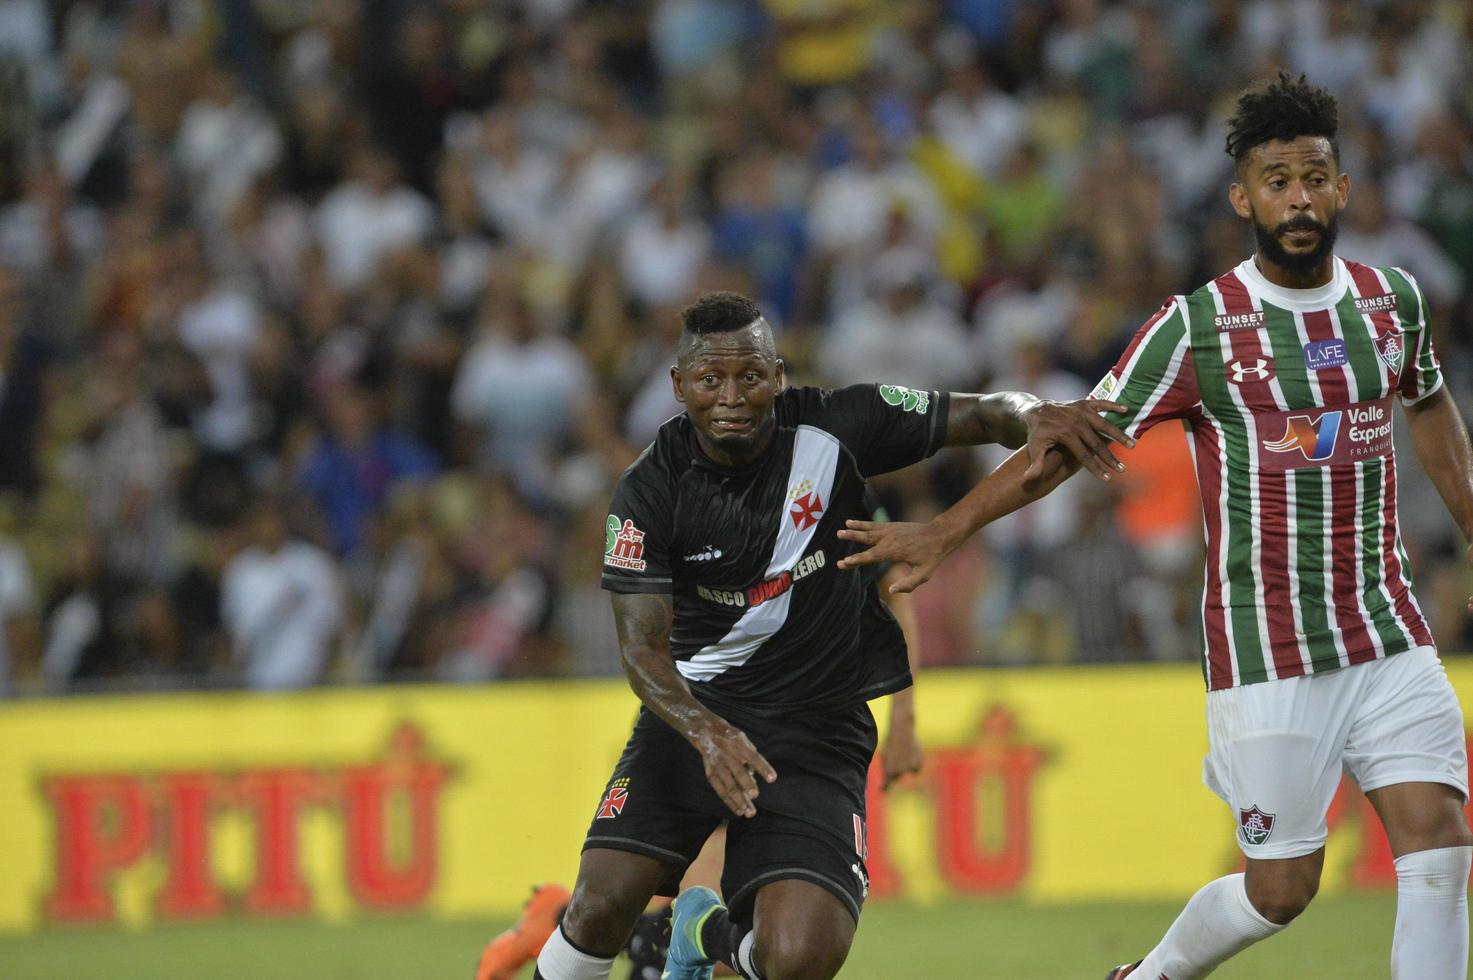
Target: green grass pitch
1339,938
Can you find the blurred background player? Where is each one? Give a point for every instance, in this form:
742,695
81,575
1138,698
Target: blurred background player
1317,655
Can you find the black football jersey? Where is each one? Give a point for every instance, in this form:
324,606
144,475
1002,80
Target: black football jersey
765,621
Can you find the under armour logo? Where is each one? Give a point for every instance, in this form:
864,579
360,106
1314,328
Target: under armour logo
1258,369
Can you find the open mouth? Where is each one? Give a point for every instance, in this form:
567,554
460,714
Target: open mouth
736,423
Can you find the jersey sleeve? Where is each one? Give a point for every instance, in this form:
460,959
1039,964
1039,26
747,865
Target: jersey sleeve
1421,375
1155,376
887,427
637,535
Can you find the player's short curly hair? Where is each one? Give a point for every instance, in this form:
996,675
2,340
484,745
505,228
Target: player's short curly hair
719,313
1281,108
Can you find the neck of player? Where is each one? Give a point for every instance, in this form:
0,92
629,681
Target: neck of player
1312,278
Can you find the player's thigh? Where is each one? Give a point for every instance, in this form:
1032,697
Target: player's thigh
1274,757
803,931
1407,749
612,890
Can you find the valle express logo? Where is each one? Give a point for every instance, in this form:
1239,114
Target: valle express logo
1315,439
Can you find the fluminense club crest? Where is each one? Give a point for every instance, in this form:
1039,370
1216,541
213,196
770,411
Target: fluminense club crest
1391,350
1255,825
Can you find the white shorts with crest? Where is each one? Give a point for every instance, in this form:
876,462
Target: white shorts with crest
1277,749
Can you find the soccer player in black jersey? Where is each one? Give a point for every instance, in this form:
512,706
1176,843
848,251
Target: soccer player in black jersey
754,655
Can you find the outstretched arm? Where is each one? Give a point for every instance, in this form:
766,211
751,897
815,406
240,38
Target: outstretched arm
732,763
1015,419
923,546
901,752
1440,440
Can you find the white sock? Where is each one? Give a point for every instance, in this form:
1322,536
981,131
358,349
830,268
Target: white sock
561,960
746,964
1431,938
1217,923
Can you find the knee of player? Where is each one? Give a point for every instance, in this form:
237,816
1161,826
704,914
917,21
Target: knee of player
790,954
1284,901
598,921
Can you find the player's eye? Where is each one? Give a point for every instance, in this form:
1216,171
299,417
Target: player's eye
708,379
752,377
1278,183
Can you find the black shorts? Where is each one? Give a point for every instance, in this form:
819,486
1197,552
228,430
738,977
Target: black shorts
809,823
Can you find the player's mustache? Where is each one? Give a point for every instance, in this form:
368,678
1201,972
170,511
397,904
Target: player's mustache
1301,222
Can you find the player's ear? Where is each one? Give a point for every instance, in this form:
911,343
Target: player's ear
675,383
1342,191
1238,198
782,381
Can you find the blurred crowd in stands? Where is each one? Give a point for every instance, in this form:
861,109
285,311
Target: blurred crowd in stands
326,325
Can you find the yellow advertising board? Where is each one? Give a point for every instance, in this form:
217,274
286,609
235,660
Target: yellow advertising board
1050,784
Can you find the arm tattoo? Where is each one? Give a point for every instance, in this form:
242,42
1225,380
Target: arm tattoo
643,624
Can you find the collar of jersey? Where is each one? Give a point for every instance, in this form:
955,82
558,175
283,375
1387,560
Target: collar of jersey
1301,300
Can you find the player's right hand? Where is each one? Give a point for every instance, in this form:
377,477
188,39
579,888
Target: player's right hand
733,766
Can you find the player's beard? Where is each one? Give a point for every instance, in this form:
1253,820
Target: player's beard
1296,263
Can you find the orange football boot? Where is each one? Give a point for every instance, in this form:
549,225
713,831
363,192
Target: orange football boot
519,945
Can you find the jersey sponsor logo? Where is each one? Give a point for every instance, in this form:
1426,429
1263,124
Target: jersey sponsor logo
1376,304
1238,321
1106,387
614,800
723,597
1321,355
1314,438
1244,370
806,511
906,399
1255,825
1327,436
769,589
708,553
1391,350
623,544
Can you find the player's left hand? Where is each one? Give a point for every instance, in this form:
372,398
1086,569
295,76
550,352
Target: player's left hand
1075,428
919,546
901,754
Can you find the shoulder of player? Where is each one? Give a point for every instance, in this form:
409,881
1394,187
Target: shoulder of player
1410,303
664,459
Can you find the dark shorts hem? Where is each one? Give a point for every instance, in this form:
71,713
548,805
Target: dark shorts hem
746,896
636,847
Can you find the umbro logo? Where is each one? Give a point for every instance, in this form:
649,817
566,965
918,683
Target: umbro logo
1244,370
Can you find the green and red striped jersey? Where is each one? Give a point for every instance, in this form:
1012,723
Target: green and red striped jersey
1287,395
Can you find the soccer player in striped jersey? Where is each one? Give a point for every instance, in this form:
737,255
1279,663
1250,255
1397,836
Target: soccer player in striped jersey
1315,652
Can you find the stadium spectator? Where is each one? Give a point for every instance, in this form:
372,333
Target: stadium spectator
281,602
267,211
357,461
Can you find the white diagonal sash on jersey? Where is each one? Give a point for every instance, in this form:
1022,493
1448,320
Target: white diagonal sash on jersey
815,459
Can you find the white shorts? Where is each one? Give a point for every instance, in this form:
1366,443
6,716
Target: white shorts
1277,748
